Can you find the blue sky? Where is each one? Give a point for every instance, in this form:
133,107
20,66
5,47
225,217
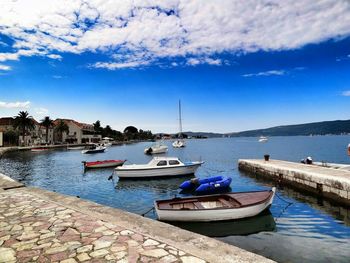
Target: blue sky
235,65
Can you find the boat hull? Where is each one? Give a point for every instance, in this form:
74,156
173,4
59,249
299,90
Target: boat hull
157,172
95,165
206,215
93,151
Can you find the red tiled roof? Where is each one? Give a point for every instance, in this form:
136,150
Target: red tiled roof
6,121
79,124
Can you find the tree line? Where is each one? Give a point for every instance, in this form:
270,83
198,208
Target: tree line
23,124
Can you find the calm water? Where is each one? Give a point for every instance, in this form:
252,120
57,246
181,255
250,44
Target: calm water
308,230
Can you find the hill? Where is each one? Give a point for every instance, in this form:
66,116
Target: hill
316,128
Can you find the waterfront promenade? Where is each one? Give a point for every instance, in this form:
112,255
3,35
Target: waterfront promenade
332,183
42,226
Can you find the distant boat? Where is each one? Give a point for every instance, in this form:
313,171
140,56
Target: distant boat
106,142
207,185
103,164
156,149
219,207
94,149
179,143
158,167
263,139
76,148
39,149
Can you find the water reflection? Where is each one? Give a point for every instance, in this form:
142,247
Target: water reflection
248,226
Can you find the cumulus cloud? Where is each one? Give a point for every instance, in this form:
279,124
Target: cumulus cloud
266,73
5,67
153,30
55,56
15,105
346,93
41,111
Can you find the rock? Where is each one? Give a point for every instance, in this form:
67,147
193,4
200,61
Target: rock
99,253
69,260
191,259
120,254
83,257
98,244
54,250
155,253
86,248
126,232
150,242
168,259
6,255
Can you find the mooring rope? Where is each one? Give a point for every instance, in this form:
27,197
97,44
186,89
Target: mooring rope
285,208
148,211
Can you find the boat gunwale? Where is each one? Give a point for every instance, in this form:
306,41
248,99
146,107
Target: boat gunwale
159,167
271,195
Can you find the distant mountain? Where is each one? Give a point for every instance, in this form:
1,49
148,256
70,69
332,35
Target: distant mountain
204,134
315,128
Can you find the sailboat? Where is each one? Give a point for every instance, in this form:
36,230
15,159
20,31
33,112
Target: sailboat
180,141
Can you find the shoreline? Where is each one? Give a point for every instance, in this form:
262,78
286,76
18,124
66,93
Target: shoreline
190,246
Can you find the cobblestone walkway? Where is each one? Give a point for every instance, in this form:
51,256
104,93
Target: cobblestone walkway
36,230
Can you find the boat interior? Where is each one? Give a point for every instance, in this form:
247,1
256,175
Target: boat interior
215,202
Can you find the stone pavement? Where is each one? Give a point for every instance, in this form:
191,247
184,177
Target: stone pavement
36,230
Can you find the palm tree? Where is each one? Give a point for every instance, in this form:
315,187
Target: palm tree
62,127
47,123
23,122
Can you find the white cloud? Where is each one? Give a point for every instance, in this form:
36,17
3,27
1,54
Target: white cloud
58,77
15,105
5,67
346,93
142,32
266,73
55,56
41,111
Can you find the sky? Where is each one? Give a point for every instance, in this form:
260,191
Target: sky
235,65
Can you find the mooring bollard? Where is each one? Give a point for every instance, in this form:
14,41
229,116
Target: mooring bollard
267,157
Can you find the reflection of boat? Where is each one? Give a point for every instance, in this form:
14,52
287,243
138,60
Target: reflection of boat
211,184
247,226
179,142
215,207
156,149
39,149
94,149
158,167
263,139
103,164
76,148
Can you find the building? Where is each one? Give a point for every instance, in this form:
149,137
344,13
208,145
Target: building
78,133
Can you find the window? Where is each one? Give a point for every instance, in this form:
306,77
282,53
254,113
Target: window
173,162
161,163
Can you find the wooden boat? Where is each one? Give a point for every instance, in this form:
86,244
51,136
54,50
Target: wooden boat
215,207
103,164
263,139
94,149
39,149
158,167
207,185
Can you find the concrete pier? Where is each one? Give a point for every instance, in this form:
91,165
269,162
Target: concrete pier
327,182
42,226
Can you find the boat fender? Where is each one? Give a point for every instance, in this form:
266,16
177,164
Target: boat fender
349,149
216,185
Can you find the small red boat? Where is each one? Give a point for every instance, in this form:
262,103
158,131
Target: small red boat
103,164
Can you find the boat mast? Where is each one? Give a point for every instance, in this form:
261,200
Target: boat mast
180,120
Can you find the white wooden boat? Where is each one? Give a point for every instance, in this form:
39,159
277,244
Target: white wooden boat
73,148
94,149
179,143
156,149
215,207
263,139
158,167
